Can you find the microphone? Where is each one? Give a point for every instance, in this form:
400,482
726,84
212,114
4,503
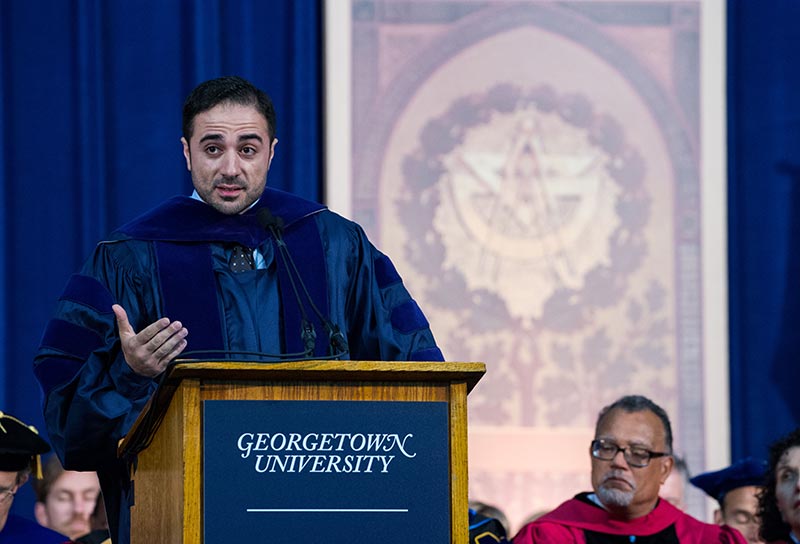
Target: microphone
337,344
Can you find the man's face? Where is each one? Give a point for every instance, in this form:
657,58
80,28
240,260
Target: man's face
229,156
628,491
69,503
8,485
787,487
740,511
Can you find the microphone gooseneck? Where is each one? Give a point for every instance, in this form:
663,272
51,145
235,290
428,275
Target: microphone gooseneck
336,340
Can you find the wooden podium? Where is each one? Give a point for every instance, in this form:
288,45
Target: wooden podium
167,439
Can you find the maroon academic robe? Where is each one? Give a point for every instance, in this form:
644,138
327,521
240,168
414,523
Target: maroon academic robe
581,521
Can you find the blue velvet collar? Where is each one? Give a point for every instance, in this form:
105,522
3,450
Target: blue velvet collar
184,219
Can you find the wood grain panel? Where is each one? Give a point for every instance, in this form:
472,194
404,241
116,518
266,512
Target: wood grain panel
459,515
231,390
192,463
160,500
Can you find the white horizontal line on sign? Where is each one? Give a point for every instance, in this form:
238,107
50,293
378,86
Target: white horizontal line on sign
327,509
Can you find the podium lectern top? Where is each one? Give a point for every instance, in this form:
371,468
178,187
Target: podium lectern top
298,371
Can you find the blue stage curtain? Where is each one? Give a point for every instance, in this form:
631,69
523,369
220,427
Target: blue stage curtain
763,221
90,111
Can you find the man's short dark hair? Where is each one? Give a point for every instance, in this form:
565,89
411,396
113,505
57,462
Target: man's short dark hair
22,475
51,471
637,403
230,90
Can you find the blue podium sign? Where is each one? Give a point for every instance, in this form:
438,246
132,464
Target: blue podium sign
326,471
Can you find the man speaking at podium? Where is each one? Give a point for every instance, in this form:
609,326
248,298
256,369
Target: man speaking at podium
236,267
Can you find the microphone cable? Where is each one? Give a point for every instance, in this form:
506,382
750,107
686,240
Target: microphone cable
307,333
337,343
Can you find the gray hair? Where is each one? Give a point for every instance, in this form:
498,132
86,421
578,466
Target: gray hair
638,403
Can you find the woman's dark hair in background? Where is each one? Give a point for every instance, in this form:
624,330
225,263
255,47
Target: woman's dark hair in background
772,525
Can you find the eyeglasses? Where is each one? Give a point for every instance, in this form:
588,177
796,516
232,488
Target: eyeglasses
635,456
7,493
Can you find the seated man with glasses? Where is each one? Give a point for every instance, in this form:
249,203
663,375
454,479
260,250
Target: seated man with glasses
631,457
736,489
20,448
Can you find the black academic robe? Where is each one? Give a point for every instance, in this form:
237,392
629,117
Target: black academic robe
173,262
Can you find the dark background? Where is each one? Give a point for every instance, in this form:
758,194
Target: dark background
92,92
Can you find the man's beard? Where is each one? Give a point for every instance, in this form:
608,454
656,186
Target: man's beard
77,526
225,205
228,180
613,497
233,181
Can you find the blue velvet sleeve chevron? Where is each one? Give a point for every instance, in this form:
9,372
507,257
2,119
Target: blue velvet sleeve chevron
382,320
91,396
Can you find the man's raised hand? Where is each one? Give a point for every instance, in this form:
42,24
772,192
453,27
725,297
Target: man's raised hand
149,351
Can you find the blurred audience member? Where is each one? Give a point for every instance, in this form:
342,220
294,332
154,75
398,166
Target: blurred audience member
674,489
20,448
99,523
484,529
736,489
779,503
65,498
490,511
